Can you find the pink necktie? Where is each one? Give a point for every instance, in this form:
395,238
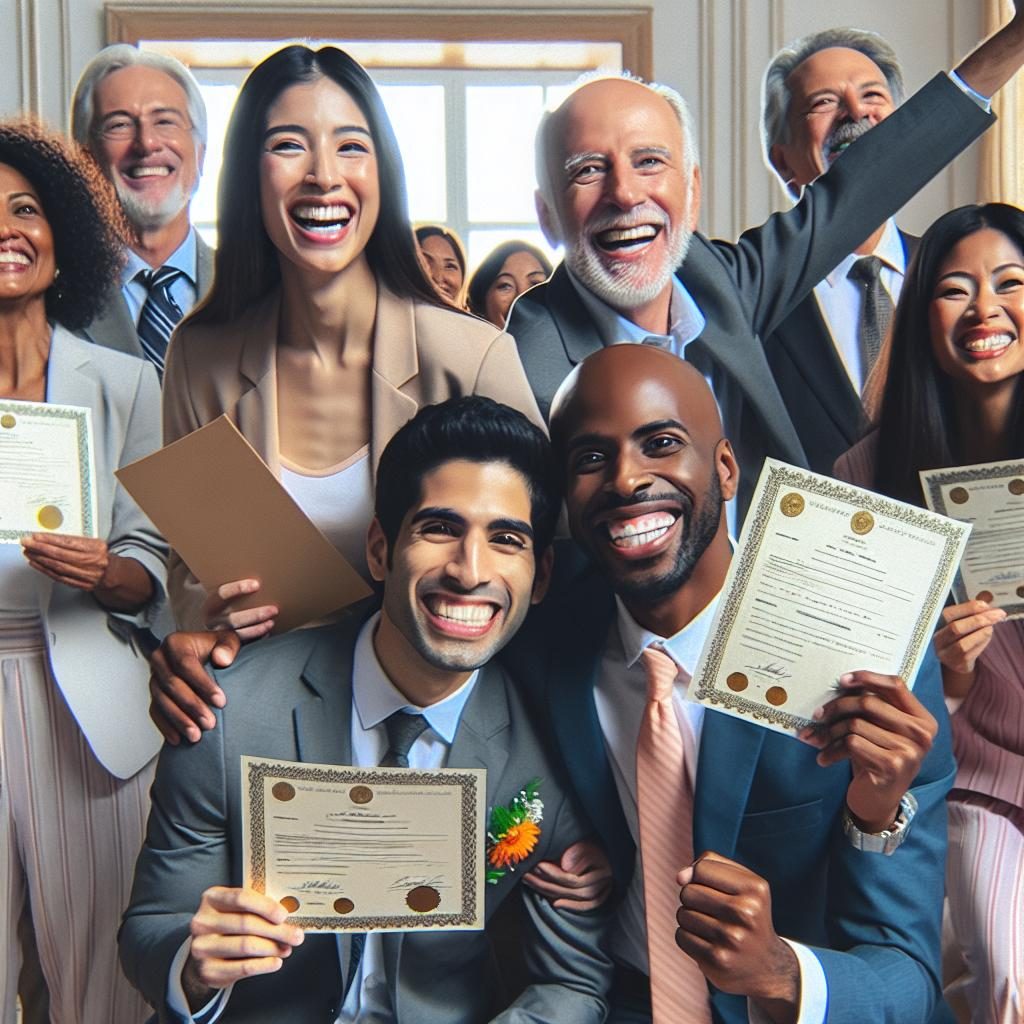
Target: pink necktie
679,992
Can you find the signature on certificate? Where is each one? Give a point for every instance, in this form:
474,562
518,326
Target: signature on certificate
412,881
771,669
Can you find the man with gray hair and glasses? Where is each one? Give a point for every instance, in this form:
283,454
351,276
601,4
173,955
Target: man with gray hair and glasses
821,93
142,117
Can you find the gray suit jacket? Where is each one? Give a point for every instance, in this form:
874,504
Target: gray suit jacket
746,289
194,841
101,673
114,326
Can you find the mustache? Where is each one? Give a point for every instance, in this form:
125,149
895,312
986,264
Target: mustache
847,132
645,213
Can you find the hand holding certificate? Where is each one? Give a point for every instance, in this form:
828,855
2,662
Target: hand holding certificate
991,498
365,849
828,579
46,470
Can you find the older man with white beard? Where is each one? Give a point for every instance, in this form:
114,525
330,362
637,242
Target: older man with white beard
142,117
619,186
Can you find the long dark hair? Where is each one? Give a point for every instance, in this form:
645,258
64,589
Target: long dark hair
247,263
487,272
917,425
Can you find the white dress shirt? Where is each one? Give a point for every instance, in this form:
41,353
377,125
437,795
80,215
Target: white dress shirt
620,697
183,290
374,698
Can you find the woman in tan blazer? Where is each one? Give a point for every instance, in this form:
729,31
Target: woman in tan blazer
321,335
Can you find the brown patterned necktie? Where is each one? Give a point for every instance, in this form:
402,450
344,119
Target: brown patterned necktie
875,308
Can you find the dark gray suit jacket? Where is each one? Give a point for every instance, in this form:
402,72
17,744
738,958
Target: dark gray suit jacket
114,326
289,698
746,289
824,405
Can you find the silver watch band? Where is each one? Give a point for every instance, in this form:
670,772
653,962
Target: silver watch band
889,840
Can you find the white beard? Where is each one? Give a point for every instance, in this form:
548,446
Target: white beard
627,284
148,215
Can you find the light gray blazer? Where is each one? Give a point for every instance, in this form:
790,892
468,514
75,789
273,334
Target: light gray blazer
290,698
114,327
103,677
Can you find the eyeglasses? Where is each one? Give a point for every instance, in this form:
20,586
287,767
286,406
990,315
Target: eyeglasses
168,124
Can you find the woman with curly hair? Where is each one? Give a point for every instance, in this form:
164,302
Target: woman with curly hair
507,271
76,744
321,335
953,396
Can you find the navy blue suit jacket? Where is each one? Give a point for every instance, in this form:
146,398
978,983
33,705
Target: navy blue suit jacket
873,921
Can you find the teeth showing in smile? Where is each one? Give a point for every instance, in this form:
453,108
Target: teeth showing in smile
989,344
322,218
634,533
466,614
620,238
148,172
14,257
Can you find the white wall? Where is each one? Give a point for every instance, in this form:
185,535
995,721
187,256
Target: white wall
713,51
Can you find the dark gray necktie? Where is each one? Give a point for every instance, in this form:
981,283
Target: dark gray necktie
160,314
403,729
875,308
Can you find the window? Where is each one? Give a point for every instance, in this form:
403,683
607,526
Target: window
463,91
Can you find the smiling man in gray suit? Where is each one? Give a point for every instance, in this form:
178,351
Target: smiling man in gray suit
142,117
620,185
466,506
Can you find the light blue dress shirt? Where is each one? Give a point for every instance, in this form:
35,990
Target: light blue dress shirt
183,289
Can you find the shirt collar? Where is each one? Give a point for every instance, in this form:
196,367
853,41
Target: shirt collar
183,258
889,250
376,698
615,329
684,646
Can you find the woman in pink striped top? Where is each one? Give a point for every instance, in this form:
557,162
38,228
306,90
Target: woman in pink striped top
951,395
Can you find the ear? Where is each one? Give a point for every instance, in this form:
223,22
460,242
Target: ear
728,469
777,158
547,219
542,579
377,551
693,214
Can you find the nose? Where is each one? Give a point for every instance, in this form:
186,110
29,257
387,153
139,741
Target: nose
622,187
855,107
468,566
628,476
323,171
145,139
986,302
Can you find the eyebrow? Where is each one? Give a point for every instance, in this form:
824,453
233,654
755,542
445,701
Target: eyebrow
22,195
662,151
150,111
578,159
345,129
449,515
639,433
830,90
995,270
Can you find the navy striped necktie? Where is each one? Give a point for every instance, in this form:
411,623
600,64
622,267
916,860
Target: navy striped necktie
160,314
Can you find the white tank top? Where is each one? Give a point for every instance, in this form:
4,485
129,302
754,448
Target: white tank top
339,500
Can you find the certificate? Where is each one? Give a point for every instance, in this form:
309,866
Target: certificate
991,498
46,470
827,579
366,849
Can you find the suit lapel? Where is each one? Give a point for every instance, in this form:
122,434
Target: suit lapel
729,751
806,337
395,363
255,413
204,268
323,720
114,327
574,324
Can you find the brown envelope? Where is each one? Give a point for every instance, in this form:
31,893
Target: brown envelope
229,518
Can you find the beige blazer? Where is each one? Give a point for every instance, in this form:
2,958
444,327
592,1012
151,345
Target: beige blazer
421,354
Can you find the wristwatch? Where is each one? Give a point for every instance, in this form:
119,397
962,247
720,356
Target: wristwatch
890,839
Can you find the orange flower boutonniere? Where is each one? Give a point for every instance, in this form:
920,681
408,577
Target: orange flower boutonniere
513,832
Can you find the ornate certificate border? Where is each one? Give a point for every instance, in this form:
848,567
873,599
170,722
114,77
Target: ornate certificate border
932,482
774,477
82,418
471,834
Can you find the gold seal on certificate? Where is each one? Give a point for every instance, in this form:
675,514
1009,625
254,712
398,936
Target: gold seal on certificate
991,498
366,849
46,470
854,581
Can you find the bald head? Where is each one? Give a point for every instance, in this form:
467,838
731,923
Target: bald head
630,375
